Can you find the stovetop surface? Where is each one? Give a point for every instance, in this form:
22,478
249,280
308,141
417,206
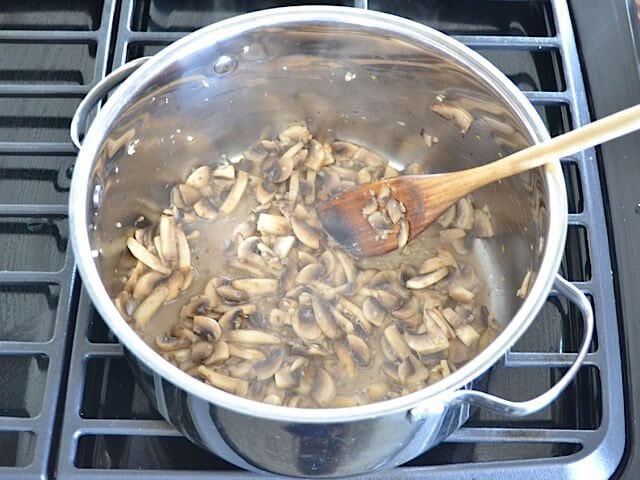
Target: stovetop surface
69,406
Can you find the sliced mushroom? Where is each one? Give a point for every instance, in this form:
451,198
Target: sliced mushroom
408,310
460,294
199,178
323,390
447,217
294,134
146,284
345,359
370,207
224,171
230,294
453,318
283,167
482,223
204,208
220,354
427,343
224,382
442,260
169,343
200,351
235,194
464,214
376,391
258,152
374,311
396,342
424,281
245,353
452,234
256,286
150,306
467,335
185,195
310,273
175,285
270,365
304,324
145,256
351,310
359,349
168,241
272,224
184,252
307,235
252,337
412,371
324,317
206,327
230,319
390,370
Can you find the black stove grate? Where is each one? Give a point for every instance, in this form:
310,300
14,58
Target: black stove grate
106,427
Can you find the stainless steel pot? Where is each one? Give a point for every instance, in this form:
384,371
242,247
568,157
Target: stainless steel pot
353,74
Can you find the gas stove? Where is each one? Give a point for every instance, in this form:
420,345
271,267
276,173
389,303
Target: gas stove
69,406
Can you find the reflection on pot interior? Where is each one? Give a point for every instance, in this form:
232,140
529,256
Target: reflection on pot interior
236,283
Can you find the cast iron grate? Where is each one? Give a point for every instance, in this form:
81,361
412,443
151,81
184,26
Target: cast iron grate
109,428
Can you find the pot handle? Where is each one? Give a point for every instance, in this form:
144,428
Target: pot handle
102,88
528,407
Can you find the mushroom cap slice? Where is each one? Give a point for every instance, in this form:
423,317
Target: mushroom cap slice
323,390
270,365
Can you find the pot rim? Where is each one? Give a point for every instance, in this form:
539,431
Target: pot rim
417,33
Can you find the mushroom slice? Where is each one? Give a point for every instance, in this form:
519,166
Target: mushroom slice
184,252
265,191
464,214
443,259
270,365
230,294
427,343
467,335
235,194
424,281
198,305
408,310
150,306
229,319
310,273
447,217
460,294
345,359
344,151
205,209
146,284
482,223
403,234
306,234
394,210
328,261
220,354
200,351
169,343
359,349
412,371
252,337
389,300
256,286
374,311
390,370
224,382
259,151
242,369
396,342
146,257
206,327
452,234
453,318
343,322
224,171
175,286
168,241
364,176
199,178
294,133
185,195
272,224
323,390
285,164
283,245
315,159
376,391
370,207
390,172
460,116
348,265
353,311
245,353
305,325
342,401
324,317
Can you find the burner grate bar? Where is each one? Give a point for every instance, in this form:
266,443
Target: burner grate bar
23,348
517,435
540,359
58,36
35,210
127,427
37,147
18,90
33,278
102,349
547,98
509,42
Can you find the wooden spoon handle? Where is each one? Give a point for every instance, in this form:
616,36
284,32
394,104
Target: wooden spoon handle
595,133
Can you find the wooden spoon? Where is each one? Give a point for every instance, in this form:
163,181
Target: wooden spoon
426,197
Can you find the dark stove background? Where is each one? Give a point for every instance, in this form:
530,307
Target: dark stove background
68,404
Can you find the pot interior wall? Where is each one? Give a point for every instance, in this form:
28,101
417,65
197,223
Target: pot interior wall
345,82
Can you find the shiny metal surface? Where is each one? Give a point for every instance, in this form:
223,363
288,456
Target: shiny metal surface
305,53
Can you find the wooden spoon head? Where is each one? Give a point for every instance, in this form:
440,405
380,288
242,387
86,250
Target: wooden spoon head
342,216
